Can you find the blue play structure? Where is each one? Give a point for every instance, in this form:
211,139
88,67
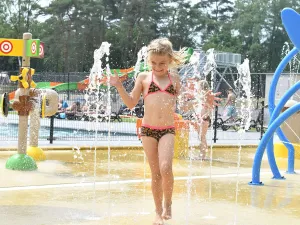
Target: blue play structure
291,21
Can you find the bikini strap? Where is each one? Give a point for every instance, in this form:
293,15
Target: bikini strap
149,87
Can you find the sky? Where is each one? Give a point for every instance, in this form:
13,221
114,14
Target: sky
44,2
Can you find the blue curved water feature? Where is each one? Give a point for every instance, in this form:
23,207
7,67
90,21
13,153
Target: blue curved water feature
275,114
291,21
264,141
279,132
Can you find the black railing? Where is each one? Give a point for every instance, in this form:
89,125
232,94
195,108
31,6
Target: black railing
89,128
82,125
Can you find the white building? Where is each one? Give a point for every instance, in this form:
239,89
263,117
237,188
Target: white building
286,81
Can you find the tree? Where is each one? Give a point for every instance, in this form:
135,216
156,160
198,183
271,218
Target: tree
248,22
16,18
259,25
73,29
181,23
218,13
276,35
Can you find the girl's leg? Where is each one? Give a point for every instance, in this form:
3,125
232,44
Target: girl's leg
165,154
203,144
150,146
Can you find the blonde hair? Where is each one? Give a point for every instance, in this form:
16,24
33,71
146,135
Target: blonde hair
163,46
203,85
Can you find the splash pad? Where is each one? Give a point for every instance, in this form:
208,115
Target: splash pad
289,16
116,191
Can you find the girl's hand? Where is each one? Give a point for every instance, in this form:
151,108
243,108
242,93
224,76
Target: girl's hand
115,80
211,99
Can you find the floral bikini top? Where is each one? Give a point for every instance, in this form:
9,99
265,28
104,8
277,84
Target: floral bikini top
154,87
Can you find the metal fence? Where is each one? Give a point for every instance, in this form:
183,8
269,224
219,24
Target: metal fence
87,126
71,130
81,130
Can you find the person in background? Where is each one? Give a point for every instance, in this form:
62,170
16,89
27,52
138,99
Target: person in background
204,120
200,114
230,105
74,107
62,106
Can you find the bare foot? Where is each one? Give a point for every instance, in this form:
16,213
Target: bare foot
203,150
158,219
167,213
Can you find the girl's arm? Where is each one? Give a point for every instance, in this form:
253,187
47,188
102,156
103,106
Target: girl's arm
131,99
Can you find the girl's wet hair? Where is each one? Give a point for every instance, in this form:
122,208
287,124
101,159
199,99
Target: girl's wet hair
163,46
204,86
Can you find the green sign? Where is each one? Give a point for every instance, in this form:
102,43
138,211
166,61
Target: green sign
33,48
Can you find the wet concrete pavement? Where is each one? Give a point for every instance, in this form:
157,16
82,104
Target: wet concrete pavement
70,188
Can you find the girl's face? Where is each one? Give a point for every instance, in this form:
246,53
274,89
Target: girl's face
159,63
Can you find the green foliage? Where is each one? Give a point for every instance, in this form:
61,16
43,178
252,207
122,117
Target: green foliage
73,29
224,41
258,24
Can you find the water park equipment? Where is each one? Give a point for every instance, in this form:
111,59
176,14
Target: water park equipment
27,101
39,100
290,19
291,129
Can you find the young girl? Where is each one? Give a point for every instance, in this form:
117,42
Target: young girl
201,113
204,120
160,90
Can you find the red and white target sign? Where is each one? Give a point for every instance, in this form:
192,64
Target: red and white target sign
33,47
6,47
41,53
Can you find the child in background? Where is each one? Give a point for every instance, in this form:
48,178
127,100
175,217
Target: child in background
204,120
230,104
160,90
194,96
62,105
